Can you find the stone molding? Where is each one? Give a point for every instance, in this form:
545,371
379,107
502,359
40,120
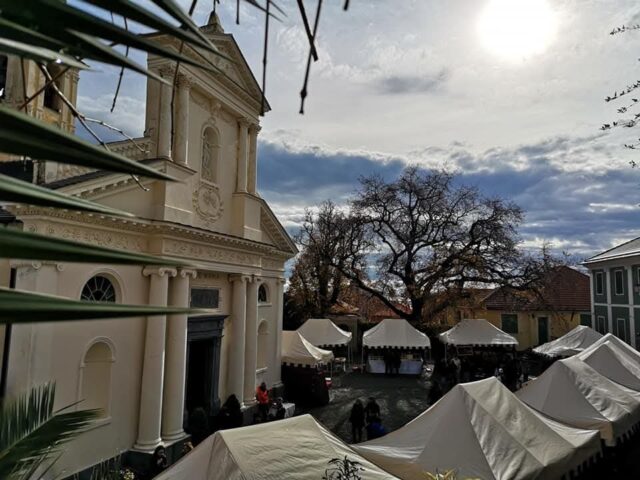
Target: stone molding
188,272
239,277
159,271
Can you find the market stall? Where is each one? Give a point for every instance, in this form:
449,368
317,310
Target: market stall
394,343
323,333
612,361
479,333
569,344
481,430
304,368
572,392
296,448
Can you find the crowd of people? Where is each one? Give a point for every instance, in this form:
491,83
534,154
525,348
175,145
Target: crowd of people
392,361
366,417
508,367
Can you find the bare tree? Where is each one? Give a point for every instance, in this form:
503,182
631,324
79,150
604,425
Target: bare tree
426,239
327,239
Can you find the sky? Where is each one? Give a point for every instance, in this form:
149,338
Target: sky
507,94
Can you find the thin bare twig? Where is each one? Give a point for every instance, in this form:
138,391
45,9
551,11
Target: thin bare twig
126,54
116,129
43,88
304,92
264,56
307,29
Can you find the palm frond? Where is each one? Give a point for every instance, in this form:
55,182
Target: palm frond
14,190
30,431
24,135
17,306
33,246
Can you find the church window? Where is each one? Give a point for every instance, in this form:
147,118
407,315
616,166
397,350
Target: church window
52,100
96,378
99,289
210,154
263,295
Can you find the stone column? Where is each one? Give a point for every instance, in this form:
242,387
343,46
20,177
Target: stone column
164,116
251,341
181,144
243,134
252,176
175,364
277,361
150,415
235,373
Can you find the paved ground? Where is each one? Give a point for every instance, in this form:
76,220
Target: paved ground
401,399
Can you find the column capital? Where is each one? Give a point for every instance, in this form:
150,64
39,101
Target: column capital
281,281
187,272
239,277
184,81
167,71
159,271
254,128
244,122
257,279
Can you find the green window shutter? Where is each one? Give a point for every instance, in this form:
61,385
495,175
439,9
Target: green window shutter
510,322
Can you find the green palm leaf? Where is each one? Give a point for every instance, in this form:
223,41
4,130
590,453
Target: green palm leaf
33,246
31,432
19,191
17,306
24,135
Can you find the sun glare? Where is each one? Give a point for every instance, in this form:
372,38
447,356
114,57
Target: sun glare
516,29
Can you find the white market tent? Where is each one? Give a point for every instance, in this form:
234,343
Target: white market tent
630,352
322,332
297,448
572,392
571,343
477,332
482,430
395,333
296,350
611,361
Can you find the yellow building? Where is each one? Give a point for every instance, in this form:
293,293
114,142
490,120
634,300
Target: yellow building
533,318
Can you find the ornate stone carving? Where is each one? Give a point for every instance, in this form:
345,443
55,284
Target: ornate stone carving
205,252
207,202
272,264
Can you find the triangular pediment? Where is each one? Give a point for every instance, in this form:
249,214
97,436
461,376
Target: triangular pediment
274,233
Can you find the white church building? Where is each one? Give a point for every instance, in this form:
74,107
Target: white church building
148,374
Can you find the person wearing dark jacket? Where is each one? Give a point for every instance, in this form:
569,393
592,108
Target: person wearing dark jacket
375,429
372,410
230,414
357,421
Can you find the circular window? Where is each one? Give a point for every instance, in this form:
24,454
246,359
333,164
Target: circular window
99,289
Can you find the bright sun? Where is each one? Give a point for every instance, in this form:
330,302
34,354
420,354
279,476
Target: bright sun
515,29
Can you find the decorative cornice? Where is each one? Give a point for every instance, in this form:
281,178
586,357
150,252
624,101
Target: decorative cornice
257,279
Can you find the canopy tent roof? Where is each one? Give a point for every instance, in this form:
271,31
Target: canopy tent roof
296,350
571,343
630,352
608,359
322,332
395,333
572,392
297,448
483,431
477,332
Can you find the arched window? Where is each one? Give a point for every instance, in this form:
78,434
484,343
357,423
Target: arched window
263,344
263,294
96,378
210,154
99,289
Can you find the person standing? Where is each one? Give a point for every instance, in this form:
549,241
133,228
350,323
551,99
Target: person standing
375,429
357,421
262,396
372,410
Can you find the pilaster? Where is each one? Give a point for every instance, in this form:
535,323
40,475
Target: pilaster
176,358
235,371
181,139
150,413
277,361
243,137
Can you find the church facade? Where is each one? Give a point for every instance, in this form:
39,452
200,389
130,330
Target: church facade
149,374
